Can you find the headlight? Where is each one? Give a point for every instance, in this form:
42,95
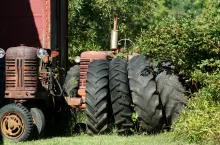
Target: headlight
77,59
2,53
41,53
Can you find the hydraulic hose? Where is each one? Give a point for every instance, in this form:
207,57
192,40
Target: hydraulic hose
60,88
51,82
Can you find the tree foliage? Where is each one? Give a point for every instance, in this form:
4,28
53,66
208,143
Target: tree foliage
91,22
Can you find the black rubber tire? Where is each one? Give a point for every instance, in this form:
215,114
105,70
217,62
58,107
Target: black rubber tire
171,94
39,120
71,83
146,101
24,115
97,97
163,64
120,95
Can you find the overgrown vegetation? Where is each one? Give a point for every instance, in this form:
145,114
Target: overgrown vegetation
187,31
201,121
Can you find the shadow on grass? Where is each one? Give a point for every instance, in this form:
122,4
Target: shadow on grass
1,140
68,124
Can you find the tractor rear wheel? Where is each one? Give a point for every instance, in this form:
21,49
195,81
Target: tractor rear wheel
146,101
71,83
97,97
120,95
171,91
39,120
16,122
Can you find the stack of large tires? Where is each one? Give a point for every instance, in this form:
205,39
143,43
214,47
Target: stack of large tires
121,88
157,93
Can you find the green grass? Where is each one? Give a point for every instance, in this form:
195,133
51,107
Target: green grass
162,139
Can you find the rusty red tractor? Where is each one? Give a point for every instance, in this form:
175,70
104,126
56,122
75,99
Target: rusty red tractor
103,85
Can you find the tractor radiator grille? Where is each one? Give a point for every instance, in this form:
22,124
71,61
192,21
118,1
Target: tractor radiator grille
84,63
10,74
30,73
21,74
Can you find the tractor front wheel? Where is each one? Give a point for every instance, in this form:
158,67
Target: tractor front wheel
16,122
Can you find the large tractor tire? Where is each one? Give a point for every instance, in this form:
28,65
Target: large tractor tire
120,95
16,122
39,120
71,83
171,91
97,97
146,101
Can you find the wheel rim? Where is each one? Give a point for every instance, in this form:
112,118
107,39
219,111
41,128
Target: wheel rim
12,125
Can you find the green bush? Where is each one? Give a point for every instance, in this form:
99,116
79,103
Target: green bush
200,121
186,41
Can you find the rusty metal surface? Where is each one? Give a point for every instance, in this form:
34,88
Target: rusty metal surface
20,94
26,94
96,54
46,35
74,101
21,72
82,93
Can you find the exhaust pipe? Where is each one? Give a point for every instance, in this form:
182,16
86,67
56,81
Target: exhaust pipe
114,34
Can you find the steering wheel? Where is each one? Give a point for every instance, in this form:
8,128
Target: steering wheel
125,43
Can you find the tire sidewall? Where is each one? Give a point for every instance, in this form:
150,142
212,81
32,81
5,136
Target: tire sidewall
74,72
25,119
39,120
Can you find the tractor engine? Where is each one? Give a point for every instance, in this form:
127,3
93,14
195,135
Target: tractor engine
21,72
